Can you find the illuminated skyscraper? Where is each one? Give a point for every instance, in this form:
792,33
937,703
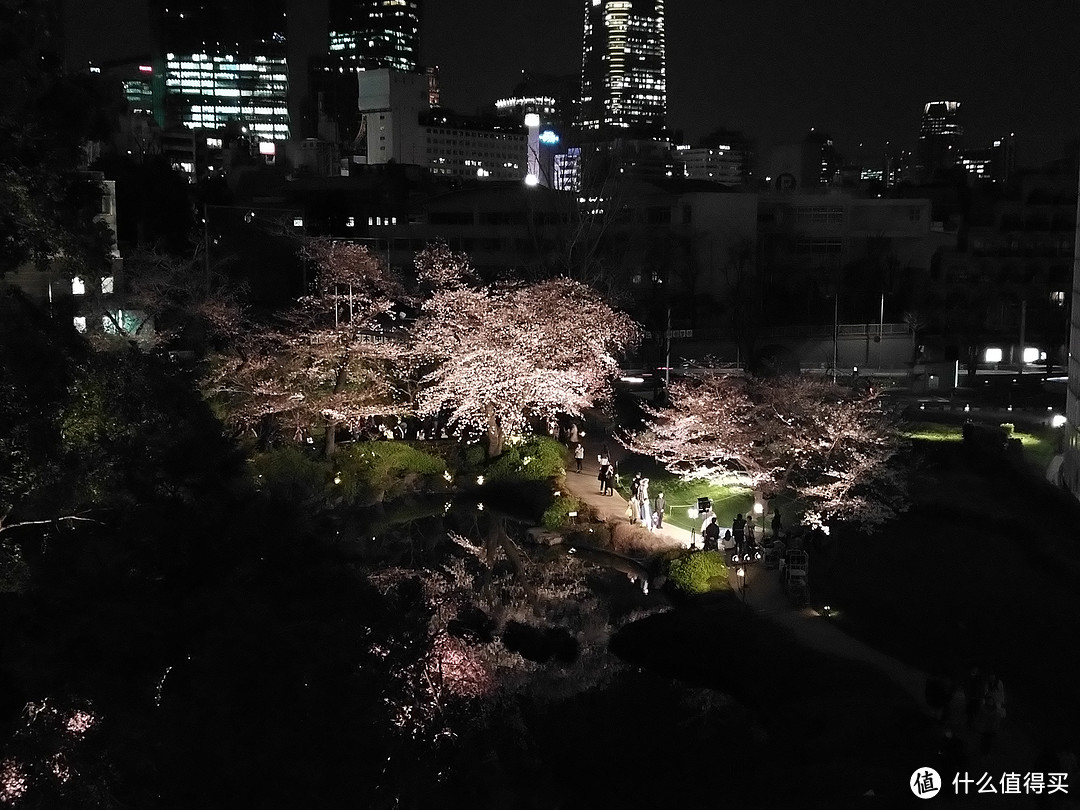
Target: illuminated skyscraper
374,34
364,35
225,63
623,69
939,137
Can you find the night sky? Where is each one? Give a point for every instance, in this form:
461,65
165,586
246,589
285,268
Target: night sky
859,69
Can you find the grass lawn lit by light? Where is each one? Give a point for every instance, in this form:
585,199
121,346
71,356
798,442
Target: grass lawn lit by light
1038,449
681,494
932,432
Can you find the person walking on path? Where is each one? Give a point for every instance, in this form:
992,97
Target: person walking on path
712,536
574,438
602,476
608,484
660,506
635,486
777,523
579,455
738,531
631,511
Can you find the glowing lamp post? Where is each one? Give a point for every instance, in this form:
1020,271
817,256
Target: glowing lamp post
759,510
1057,422
741,574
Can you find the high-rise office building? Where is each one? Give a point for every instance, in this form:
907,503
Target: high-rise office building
225,63
939,137
374,34
363,35
623,69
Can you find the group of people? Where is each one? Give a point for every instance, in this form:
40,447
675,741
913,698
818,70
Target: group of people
740,537
641,509
606,476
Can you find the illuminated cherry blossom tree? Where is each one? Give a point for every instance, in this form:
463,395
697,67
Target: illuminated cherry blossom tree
327,360
828,445
495,356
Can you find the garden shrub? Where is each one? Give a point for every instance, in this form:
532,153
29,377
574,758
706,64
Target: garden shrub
370,470
557,514
474,456
1008,427
538,458
291,474
699,572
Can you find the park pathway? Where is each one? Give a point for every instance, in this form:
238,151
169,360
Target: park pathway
763,593
586,487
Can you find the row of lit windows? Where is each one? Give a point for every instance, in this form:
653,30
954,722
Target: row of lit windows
506,164
228,57
468,137
194,77
205,109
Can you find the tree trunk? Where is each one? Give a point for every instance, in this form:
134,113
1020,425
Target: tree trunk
339,385
329,445
495,434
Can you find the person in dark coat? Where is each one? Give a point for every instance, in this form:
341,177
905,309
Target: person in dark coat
777,523
738,531
712,536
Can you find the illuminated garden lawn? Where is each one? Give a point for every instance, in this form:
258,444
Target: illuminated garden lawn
1039,449
681,494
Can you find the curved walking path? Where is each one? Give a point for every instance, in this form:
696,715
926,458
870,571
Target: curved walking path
764,594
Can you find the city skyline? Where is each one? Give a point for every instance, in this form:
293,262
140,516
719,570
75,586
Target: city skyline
1008,63
860,71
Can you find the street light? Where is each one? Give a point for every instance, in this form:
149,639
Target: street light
1058,422
741,573
759,510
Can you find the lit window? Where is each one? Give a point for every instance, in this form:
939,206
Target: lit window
350,222
80,323
107,285
993,355
77,286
